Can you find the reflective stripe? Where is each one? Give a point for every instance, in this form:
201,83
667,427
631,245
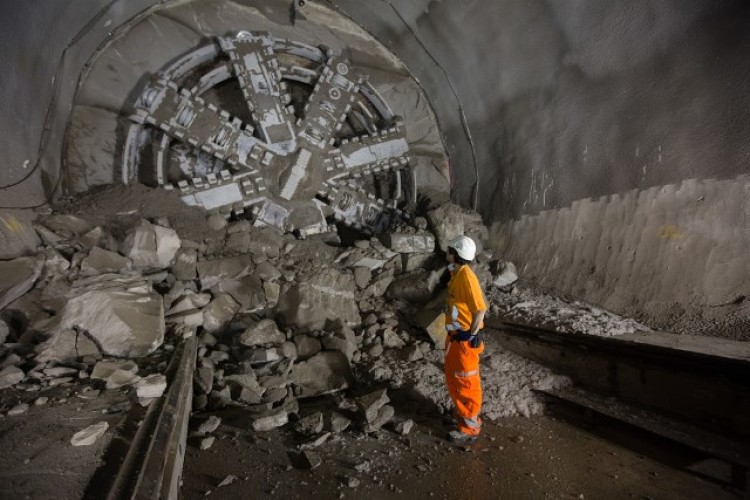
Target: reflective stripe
474,423
466,374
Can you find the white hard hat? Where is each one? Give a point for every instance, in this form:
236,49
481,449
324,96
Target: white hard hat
465,247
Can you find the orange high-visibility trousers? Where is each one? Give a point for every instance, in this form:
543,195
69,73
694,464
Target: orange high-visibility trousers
464,384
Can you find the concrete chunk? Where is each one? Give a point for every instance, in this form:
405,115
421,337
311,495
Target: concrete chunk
152,386
219,312
103,369
504,273
212,272
327,294
124,319
184,266
209,425
307,460
103,261
416,286
167,244
336,422
370,404
384,415
10,375
263,333
140,246
90,434
248,291
270,421
324,373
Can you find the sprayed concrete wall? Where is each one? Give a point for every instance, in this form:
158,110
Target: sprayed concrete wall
674,256
612,134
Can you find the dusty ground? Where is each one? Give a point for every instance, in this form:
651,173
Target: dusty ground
37,459
539,457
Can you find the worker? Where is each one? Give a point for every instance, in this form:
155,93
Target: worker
464,320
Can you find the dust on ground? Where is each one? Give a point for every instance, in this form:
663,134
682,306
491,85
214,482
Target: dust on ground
540,457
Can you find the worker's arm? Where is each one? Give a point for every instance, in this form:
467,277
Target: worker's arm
478,318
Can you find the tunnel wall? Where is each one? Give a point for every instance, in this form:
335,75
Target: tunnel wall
547,108
44,48
610,140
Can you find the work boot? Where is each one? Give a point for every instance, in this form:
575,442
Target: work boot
450,420
458,437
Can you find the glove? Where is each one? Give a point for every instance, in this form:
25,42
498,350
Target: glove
476,341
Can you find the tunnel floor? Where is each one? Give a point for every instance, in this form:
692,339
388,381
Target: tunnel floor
538,457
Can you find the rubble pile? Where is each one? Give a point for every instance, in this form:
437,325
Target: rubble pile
519,304
279,320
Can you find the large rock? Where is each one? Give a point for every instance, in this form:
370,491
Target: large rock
167,244
17,239
150,246
54,264
17,277
416,286
504,273
307,346
324,373
140,246
449,221
369,404
185,263
10,375
248,291
263,333
67,344
213,272
67,226
379,286
219,312
102,261
327,294
266,241
342,339
121,315
271,420
414,261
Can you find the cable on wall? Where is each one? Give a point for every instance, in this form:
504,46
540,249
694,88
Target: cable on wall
464,122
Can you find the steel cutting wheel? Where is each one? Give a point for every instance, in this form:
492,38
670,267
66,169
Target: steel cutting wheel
291,133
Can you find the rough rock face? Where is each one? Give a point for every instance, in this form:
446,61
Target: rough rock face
150,246
122,316
327,294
